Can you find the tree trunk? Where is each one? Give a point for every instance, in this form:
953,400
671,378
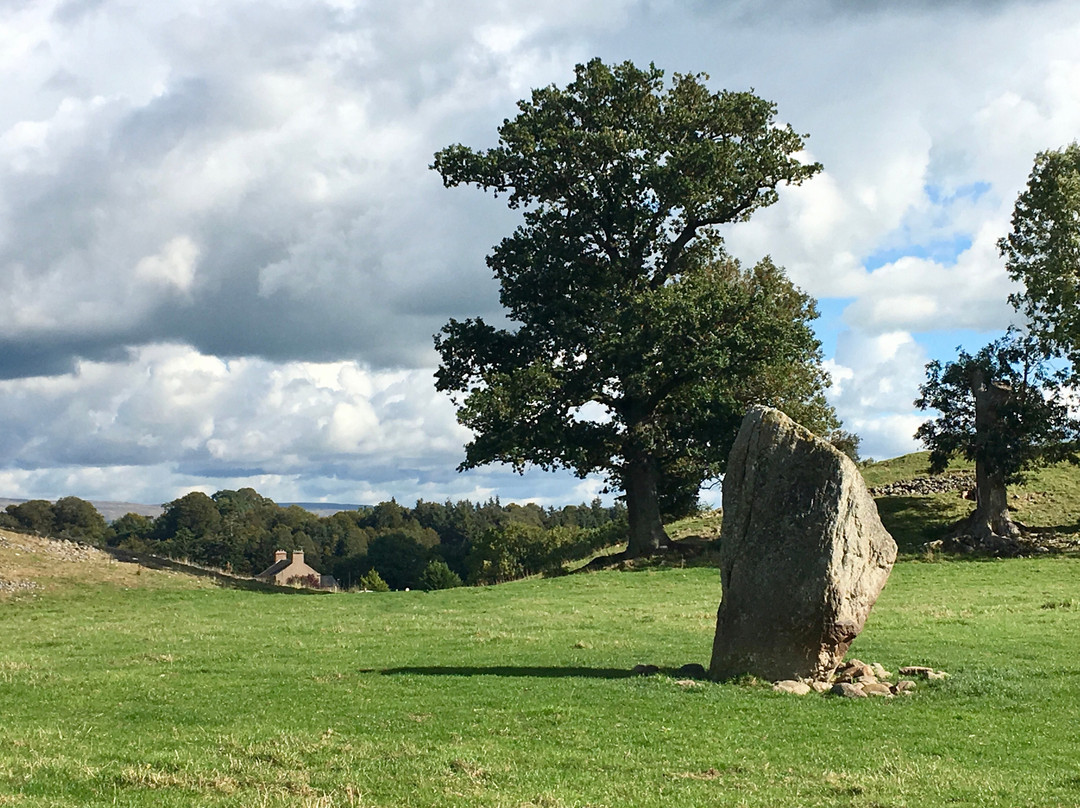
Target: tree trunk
990,519
647,534
991,515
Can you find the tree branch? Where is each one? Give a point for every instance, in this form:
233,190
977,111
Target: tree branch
688,233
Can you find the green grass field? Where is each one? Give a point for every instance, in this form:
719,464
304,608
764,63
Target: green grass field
133,688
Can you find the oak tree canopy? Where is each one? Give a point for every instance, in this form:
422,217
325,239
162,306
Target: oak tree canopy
635,343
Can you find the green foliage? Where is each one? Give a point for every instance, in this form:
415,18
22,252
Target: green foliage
76,518
68,517
846,442
399,559
131,531
437,575
637,343
246,528
1030,425
505,554
519,550
194,512
35,515
371,581
1043,253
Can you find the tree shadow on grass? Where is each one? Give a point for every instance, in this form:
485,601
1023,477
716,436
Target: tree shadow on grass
537,672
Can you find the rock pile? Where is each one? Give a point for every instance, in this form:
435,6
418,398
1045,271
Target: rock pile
962,481
858,680
17,585
57,548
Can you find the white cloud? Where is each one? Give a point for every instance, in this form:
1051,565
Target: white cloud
175,265
916,294
875,380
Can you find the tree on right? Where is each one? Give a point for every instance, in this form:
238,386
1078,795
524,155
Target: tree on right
1043,253
1006,408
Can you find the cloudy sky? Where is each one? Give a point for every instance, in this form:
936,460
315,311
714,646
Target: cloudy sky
223,256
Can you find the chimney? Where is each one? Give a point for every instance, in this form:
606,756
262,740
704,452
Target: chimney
298,556
280,555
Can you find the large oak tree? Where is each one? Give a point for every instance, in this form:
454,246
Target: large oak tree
635,343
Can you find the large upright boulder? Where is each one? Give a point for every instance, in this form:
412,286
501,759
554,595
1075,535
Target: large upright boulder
803,554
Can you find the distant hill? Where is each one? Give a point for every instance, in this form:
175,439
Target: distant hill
110,510
114,510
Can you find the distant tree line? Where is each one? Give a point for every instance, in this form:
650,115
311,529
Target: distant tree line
429,546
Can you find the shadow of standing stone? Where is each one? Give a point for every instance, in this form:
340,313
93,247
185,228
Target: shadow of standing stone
803,554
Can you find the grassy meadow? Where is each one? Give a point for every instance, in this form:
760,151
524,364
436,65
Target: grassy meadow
143,688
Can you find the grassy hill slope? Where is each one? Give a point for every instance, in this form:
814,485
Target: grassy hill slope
40,566
1048,500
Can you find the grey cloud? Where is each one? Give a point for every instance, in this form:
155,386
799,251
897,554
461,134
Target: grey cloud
790,11
55,355
74,11
150,132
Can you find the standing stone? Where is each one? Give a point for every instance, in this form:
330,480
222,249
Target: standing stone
803,554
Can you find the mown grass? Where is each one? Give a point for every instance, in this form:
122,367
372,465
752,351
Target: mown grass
174,694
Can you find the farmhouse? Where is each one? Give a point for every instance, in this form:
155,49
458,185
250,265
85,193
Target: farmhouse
294,571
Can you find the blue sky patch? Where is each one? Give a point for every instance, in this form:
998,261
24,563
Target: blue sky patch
971,192
944,252
831,322
942,345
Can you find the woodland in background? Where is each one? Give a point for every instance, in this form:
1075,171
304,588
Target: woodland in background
429,546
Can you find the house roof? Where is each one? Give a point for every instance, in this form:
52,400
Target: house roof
275,568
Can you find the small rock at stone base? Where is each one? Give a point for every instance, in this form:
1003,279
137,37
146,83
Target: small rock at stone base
904,686
645,670
915,670
854,671
857,667
923,672
880,671
691,670
821,687
792,686
877,689
688,683
848,690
